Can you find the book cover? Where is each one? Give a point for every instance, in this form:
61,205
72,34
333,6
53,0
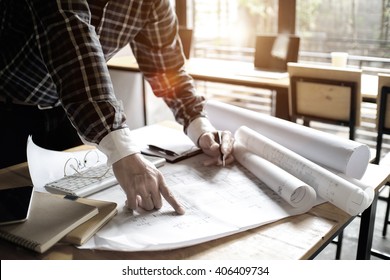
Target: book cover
86,230
163,146
51,218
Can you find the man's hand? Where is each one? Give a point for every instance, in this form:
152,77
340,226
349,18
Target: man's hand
143,184
219,146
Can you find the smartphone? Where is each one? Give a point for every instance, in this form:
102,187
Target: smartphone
15,204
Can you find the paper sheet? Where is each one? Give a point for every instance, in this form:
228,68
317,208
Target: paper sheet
46,165
218,202
297,193
280,47
172,140
342,193
343,155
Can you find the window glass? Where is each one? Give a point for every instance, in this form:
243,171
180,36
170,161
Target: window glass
358,27
227,28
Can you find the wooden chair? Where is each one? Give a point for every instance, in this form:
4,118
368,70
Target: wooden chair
325,94
273,52
383,127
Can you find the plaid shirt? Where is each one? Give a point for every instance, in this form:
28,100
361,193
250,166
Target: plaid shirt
56,51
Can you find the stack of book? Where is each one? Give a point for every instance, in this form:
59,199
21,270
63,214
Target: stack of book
55,218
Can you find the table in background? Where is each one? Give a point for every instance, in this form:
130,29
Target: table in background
227,72
244,74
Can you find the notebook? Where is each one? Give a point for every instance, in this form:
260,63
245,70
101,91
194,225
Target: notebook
81,234
171,143
51,218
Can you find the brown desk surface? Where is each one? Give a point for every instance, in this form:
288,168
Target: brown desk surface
231,72
297,237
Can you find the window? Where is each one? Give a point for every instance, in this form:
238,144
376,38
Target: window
227,28
358,27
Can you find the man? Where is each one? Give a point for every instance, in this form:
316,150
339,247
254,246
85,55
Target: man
53,63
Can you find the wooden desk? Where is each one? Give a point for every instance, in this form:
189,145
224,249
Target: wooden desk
297,237
227,72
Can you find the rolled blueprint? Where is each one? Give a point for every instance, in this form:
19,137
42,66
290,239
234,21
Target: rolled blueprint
338,191
295,192
341,154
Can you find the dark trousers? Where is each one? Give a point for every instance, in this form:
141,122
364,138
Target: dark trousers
50,129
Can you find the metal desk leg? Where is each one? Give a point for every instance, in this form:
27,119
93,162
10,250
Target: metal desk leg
280,106
366,231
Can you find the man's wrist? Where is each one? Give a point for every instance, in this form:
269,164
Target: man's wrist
118,144
197,127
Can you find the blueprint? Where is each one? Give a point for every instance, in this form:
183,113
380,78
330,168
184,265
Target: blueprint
218,202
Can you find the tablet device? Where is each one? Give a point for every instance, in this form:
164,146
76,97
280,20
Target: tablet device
15,204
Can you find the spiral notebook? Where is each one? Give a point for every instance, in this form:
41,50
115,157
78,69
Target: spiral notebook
51,218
